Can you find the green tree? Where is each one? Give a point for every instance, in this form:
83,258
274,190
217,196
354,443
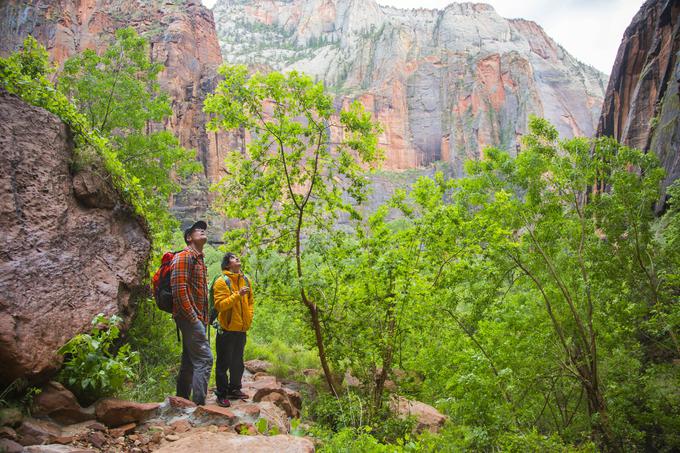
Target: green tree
566,226
119,94
300,170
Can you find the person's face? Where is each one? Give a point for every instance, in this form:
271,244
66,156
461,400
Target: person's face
198,237
234,264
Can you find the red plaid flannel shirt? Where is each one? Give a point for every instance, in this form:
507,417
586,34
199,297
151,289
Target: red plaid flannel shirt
189,286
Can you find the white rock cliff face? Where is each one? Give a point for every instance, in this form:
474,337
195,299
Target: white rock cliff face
443,83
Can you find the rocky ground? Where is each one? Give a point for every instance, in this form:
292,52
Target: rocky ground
59,424
262,423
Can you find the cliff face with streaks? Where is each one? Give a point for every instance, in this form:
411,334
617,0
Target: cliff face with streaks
444,83
182,37
642,103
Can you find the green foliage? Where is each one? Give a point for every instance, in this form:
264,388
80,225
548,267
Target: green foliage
292,181
19,393
119,95
534,302
25,73
91,368
351,411
289,165
351,440
153,335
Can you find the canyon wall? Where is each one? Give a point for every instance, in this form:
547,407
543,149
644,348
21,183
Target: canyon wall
444,83
642,104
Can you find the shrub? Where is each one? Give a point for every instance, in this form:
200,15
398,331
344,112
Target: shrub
91,370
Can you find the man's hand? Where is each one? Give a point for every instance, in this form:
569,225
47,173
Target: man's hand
243,291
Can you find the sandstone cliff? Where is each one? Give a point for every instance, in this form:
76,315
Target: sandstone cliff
182,36
71,247
642,104
444,83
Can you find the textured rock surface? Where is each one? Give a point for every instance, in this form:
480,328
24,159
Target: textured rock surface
642,104
182,36
160,425
61,261
114,412
444,83
427,417
207,442
57,402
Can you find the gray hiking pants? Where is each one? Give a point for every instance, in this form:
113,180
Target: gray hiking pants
197,361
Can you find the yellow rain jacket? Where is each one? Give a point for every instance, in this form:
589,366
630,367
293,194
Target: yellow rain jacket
234,312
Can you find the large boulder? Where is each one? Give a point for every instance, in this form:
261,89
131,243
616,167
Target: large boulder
427,417
72,248
219,442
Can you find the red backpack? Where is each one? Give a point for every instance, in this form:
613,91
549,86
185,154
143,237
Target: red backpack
162,291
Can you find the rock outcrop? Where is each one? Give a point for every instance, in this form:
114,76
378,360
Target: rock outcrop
642,103
175,425
182,37
67,254
444,83
220,442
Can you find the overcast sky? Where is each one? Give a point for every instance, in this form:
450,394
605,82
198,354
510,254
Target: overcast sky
591,30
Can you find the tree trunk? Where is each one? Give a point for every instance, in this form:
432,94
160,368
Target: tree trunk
386,358
316,325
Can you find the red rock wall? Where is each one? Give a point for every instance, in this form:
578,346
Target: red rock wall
642,102
182,36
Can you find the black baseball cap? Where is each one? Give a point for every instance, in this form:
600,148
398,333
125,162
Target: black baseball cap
200,225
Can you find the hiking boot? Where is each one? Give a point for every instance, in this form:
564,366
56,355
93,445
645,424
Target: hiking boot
223,402
237,395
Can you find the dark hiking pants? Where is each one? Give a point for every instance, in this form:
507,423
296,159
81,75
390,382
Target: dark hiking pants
197,361
229,346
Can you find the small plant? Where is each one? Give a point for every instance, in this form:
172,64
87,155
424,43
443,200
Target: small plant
262,426
296,428
91,370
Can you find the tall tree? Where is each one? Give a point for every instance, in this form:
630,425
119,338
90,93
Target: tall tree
118,92
302,168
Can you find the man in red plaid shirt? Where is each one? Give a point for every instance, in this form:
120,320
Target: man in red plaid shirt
190,310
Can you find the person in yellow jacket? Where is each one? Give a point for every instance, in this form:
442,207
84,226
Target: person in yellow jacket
235,306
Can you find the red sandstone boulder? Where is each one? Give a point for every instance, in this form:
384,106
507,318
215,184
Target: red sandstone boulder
213,415
275,416
180,426
95,257
427,417
282,401
9,446
33,432
294,397
180,403
59,403
113,412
